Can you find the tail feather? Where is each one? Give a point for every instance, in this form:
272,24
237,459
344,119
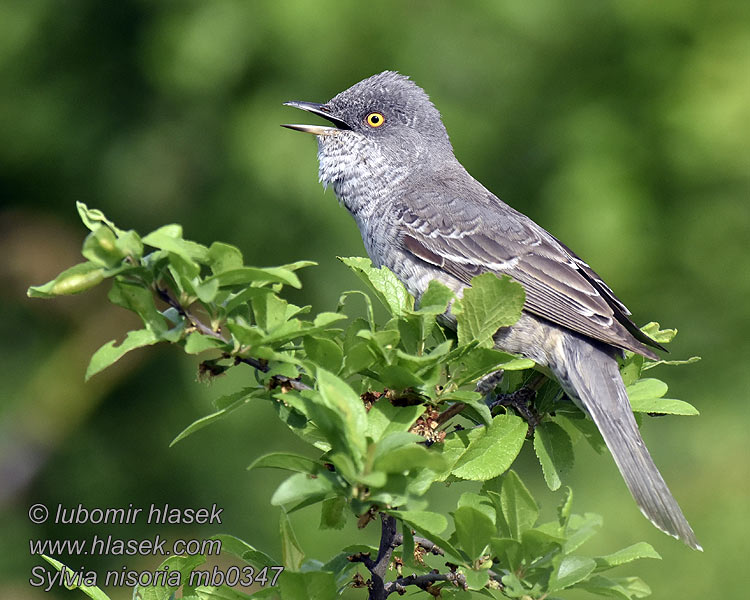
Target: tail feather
590,374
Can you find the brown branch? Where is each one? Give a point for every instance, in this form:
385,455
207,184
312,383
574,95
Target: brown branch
450,412
425,582
431,547
390,538
380,565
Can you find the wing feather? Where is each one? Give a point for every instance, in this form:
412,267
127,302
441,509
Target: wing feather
559,285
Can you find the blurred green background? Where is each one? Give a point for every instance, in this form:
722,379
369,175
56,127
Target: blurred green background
622,127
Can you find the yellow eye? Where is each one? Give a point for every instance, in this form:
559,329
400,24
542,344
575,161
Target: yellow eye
375,119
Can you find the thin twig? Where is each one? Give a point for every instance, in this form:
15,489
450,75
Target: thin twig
484,386
450,412
260,365
190,318
424,581
431,547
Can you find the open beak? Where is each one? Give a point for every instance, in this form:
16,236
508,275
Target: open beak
322,111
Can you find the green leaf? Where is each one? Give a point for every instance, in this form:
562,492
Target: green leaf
474,529
407,546
384,418
513,587
386,286
672,363
646,388
383,342
207,292
358,358
290,411
490,303
91,591
195,343
256,275
433,357
508,552
604,586
518,505
435,299
300,487
494,450
565,507
109,353
537,543
324,353
580,530
474,401
342,399
239,301
291,552
455,445
100,247
407,458
342,568
229,404
664,406
631,368
270,311
397,377
325,319
332,514
314,585
169,238
224,257
431,522
328,426
285,461
244,551
634,586
184,565
626,555
93,218
140,300
476,579
298,264
646,396
663,336
247,335
572,569
74,280
479,502
370,323
481,361
554,450
130,244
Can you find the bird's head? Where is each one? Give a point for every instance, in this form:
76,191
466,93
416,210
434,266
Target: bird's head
383,128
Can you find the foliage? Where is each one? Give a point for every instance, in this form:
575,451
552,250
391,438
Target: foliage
379,404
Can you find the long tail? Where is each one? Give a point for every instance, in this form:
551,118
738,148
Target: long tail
590,373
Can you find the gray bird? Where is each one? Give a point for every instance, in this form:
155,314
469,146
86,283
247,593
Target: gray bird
390,162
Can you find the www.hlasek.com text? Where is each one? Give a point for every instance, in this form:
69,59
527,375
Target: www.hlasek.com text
109,545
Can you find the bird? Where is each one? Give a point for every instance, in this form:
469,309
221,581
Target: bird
388,157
